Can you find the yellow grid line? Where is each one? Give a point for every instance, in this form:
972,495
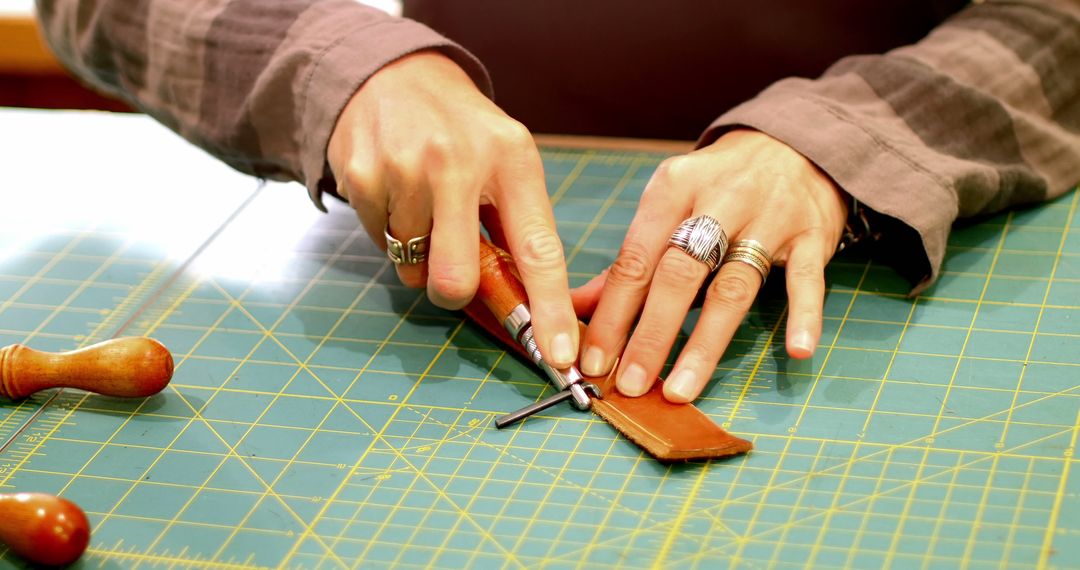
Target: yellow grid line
267,333
872,497
742,465
1038,320
1055,513
888,449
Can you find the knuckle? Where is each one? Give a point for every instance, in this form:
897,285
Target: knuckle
672,169
697,351
731,291
631,266
806,314
358,178
404,164
513,134
649,341
541,248
805,273
438,147
673,175
681,269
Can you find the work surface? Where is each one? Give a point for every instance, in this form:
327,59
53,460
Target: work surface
321,416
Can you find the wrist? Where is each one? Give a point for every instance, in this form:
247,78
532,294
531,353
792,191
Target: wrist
859,226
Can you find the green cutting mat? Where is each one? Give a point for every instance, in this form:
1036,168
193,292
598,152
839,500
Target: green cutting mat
322,416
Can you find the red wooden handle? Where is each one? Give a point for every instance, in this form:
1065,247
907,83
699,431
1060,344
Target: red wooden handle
131,367
43,529
500,288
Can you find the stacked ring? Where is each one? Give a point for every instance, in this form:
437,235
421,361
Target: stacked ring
702,238
411,252
752,253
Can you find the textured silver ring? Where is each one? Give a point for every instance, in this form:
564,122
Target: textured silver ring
410,252
702,238
752,253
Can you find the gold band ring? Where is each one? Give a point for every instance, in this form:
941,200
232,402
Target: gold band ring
752,253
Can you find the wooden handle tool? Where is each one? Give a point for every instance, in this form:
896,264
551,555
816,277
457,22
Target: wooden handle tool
130,367
43,529
502,293
669,432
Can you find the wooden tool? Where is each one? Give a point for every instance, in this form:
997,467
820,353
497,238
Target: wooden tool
43,529
129,367
501,291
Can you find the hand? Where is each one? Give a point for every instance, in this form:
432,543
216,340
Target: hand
757,188
420,149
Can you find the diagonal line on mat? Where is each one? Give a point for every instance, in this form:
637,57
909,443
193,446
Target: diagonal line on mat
878,495
233,305
886,450
503,452
56,394
187,262
379,436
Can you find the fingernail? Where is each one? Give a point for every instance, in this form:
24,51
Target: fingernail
632,382
681,387
593,362
803,344
562,351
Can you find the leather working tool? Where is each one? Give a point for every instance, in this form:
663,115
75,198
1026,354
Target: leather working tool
667,431
504,296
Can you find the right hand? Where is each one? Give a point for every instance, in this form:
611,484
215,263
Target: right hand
419,149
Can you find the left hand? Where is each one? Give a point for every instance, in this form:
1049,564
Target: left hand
757,188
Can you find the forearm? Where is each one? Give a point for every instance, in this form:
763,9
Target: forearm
982,114
258,85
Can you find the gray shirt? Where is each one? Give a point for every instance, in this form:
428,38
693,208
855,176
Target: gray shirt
980,114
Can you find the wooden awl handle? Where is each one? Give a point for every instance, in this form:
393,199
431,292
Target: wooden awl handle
130,367
43,529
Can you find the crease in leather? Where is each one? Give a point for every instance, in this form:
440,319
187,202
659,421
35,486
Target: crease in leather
667,431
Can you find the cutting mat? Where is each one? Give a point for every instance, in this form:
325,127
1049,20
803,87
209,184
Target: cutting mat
322,416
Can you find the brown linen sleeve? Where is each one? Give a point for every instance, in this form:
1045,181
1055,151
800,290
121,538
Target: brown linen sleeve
982,114
257,84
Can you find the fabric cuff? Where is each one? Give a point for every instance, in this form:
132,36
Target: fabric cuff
863,164
340,72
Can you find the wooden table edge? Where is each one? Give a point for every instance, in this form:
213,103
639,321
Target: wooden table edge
23,50
613,143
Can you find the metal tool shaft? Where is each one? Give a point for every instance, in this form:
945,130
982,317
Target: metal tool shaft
537,407
519,324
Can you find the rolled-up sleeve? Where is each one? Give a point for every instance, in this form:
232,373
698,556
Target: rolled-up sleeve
982,114
257,84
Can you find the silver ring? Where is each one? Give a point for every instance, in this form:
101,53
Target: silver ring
411,252
702,238
752,253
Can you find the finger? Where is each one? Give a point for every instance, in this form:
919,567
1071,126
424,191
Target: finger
409,217
805,274
660,211
727,300
587,296
453,270
529,227
674,286
368,198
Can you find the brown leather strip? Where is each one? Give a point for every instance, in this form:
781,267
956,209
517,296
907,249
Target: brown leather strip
667,431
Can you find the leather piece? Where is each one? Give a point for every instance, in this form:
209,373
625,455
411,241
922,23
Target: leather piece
667,431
